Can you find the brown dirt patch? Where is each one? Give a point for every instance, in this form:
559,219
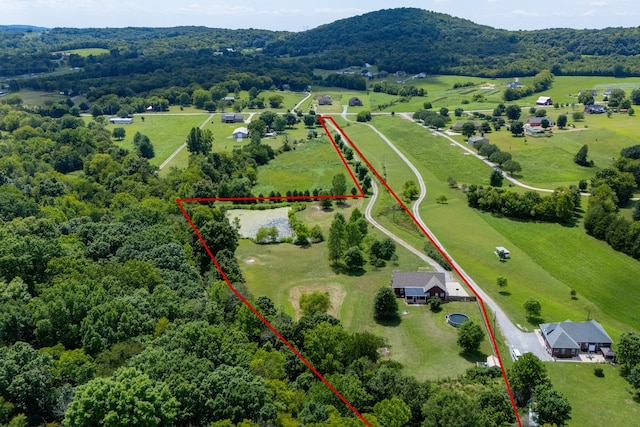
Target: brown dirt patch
336,296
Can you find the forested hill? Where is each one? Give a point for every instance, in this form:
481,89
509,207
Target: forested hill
416,40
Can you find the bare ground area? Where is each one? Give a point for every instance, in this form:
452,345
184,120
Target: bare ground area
336,296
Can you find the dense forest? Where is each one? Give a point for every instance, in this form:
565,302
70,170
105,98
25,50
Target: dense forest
143,59
111,312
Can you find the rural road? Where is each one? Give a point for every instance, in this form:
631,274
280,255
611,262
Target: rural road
300,103
524,341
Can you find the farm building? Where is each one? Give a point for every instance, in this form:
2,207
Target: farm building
457,127
121,120
544,100
567,339
325,100
355,102
240,133
232,118
476,140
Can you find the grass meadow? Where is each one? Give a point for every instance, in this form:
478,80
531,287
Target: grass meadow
548,266
95,51
166,132
312,164
608,394
421,341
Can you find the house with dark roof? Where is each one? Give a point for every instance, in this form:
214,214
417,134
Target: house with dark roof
476,140
325,100
595,109
567,339
232,118
457,127
355,102
416,287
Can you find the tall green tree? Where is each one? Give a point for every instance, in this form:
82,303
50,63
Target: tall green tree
199,141
339,185
130,398
527,373
470,336
496,178
552,406
337,239
513,112
581,156
392,412
468,129
385,306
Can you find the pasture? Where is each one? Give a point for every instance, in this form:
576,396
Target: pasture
37,97
166,132
95,51
547,268
421,341
311,164
548,162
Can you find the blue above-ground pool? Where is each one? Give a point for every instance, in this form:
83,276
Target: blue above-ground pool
457,319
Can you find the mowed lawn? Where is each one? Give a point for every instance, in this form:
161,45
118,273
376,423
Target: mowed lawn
585,392
312,164
549,259
548,162
422,341
166,132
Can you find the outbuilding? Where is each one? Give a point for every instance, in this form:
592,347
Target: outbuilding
502,252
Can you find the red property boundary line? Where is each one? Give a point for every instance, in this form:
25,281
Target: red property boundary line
322,119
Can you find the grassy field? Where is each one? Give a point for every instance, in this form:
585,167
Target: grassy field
609,394
548,162
95,51
311,165
36,97
593,269
422,341
166,132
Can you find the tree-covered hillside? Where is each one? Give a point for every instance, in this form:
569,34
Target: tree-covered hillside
416,40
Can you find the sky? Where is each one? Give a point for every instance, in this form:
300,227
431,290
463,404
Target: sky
300,15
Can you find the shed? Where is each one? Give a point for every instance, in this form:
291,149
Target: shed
476,140
240,133
544,100
502,252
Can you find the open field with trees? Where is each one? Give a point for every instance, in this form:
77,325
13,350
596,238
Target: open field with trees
539,265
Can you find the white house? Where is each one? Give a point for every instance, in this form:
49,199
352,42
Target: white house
240,133
544,100
121,120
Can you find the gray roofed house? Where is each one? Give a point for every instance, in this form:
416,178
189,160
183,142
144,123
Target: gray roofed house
232,118
325,100
419,286
476,139
567,339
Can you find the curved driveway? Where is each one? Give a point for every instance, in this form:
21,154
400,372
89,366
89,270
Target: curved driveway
524,341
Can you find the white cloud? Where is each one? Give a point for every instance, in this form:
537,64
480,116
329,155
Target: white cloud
588,13
599,3
492,1
520,12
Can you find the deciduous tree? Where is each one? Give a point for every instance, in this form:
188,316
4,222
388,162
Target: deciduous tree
470,336
385,306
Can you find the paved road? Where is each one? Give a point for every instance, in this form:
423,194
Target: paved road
182,147
516,338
